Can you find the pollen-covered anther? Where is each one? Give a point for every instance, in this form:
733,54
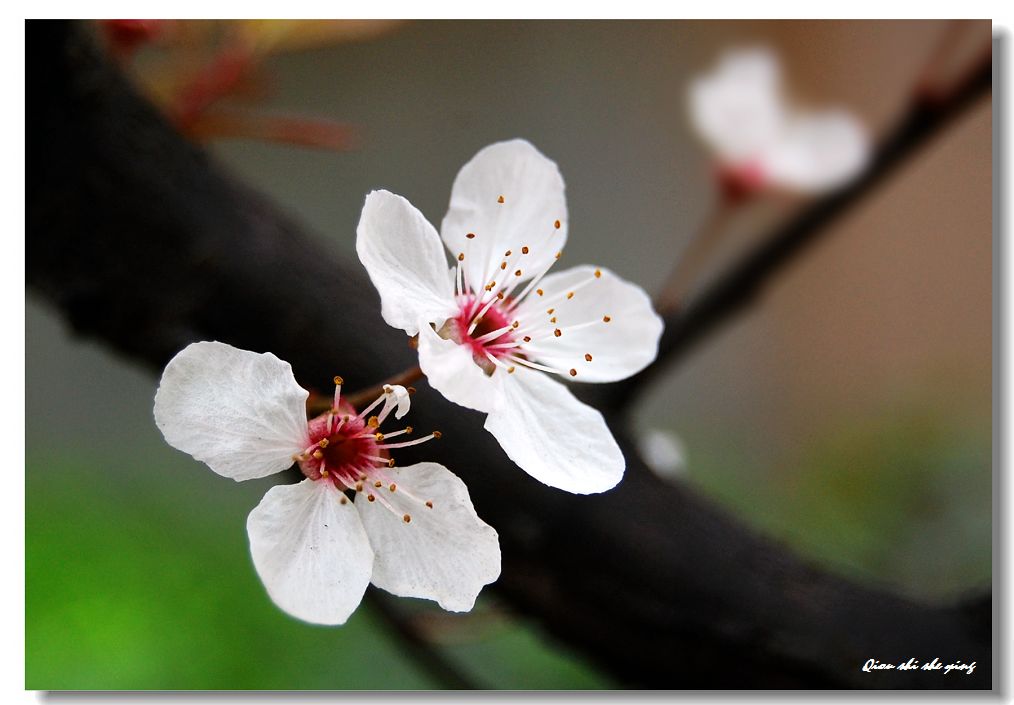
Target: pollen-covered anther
470,236
510,370
408,429
500,200
587,357
540,292
606,319
390,463
429,504
558,255
573,372
344,499
379,436
524,250
461,256
508,253
503,265
317,454
499,296
515,324
338,380
598,273
373,422
359,486
556,224
557,332
570,295
392,487
323,442
437,435
550,311
527,339
407,518
324,473
517,273
553,319
371,498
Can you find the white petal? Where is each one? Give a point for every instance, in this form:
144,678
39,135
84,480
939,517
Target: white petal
738,108
397,398
533,195
450,369
402,254
310,551
818,152
240,412
552,436
623,346
444,553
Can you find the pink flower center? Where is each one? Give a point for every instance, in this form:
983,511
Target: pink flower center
483,337
345,448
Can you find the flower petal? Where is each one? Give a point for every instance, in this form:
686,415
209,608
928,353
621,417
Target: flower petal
450,369
240,412
552,436
402,254
310,551
738,108
818,151
532,191
444,552
599,351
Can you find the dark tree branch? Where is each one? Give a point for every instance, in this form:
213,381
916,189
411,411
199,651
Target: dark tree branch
145,244
742,284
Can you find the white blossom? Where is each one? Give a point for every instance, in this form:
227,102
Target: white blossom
411,531
497,327
761,140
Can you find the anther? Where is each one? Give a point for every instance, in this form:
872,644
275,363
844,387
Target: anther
570,295
540,292
558,255
379,436
606,319
524,250
378,483
323,473
344,500
461,256
499,295
338,380
499,200
503,265
317,454
556,225
392,487
510,370
359,487
370,497
573,372
508,253
373,422
527,339
553,319
517,273
390,463
515,324
387,389
408,429
470,235
557,332
362,477
550,311
437,435
323,442
588,357
429,504
598,273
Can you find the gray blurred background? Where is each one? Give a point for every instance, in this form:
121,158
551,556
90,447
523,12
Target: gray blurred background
849,413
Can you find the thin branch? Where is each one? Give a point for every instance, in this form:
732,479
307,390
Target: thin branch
741,285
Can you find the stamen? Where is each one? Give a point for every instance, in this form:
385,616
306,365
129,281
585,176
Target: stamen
588,357
500,200
470,236
406,444
429,504
461,256
338,382
557,225
392,487
408,518
606,319
524,250
573,372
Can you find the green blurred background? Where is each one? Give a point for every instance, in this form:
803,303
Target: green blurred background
849,414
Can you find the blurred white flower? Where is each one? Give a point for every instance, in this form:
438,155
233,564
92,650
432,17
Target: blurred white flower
490,327
761,140
412,531
663,452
